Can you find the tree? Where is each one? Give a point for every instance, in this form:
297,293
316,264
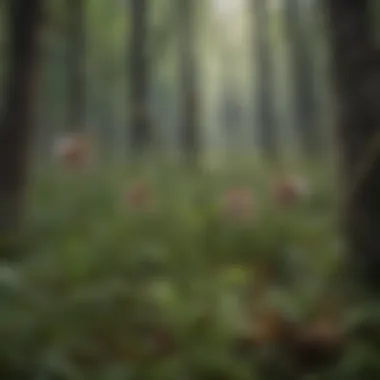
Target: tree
76,65
231,108
264,93
190,92
356,70
303,86
18,120
138,76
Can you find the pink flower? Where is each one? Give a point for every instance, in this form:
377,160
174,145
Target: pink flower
140,196
73,150
290,190
238,203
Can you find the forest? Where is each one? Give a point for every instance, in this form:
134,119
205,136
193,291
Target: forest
189,189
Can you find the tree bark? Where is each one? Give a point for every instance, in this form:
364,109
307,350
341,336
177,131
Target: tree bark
264,93
303,86
189,83
140,124
76,95
356,70
19,119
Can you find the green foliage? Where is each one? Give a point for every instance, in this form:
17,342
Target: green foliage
111,288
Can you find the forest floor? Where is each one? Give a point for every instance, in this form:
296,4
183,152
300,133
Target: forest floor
163,274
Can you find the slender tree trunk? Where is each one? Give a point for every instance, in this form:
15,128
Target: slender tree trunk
76,100
189,82
231,116
264,93
356,69
303,85
230,109
19,119
140,123
106,115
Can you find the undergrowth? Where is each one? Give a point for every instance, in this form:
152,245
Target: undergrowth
148,275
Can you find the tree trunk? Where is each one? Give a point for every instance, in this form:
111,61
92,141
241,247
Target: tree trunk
140,123
76,100
303,86
230,106
264,93
18,121
189,84
356,69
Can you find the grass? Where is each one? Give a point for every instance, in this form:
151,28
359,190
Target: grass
172,287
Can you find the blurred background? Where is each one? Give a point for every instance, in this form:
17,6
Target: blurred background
189,189
254,72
